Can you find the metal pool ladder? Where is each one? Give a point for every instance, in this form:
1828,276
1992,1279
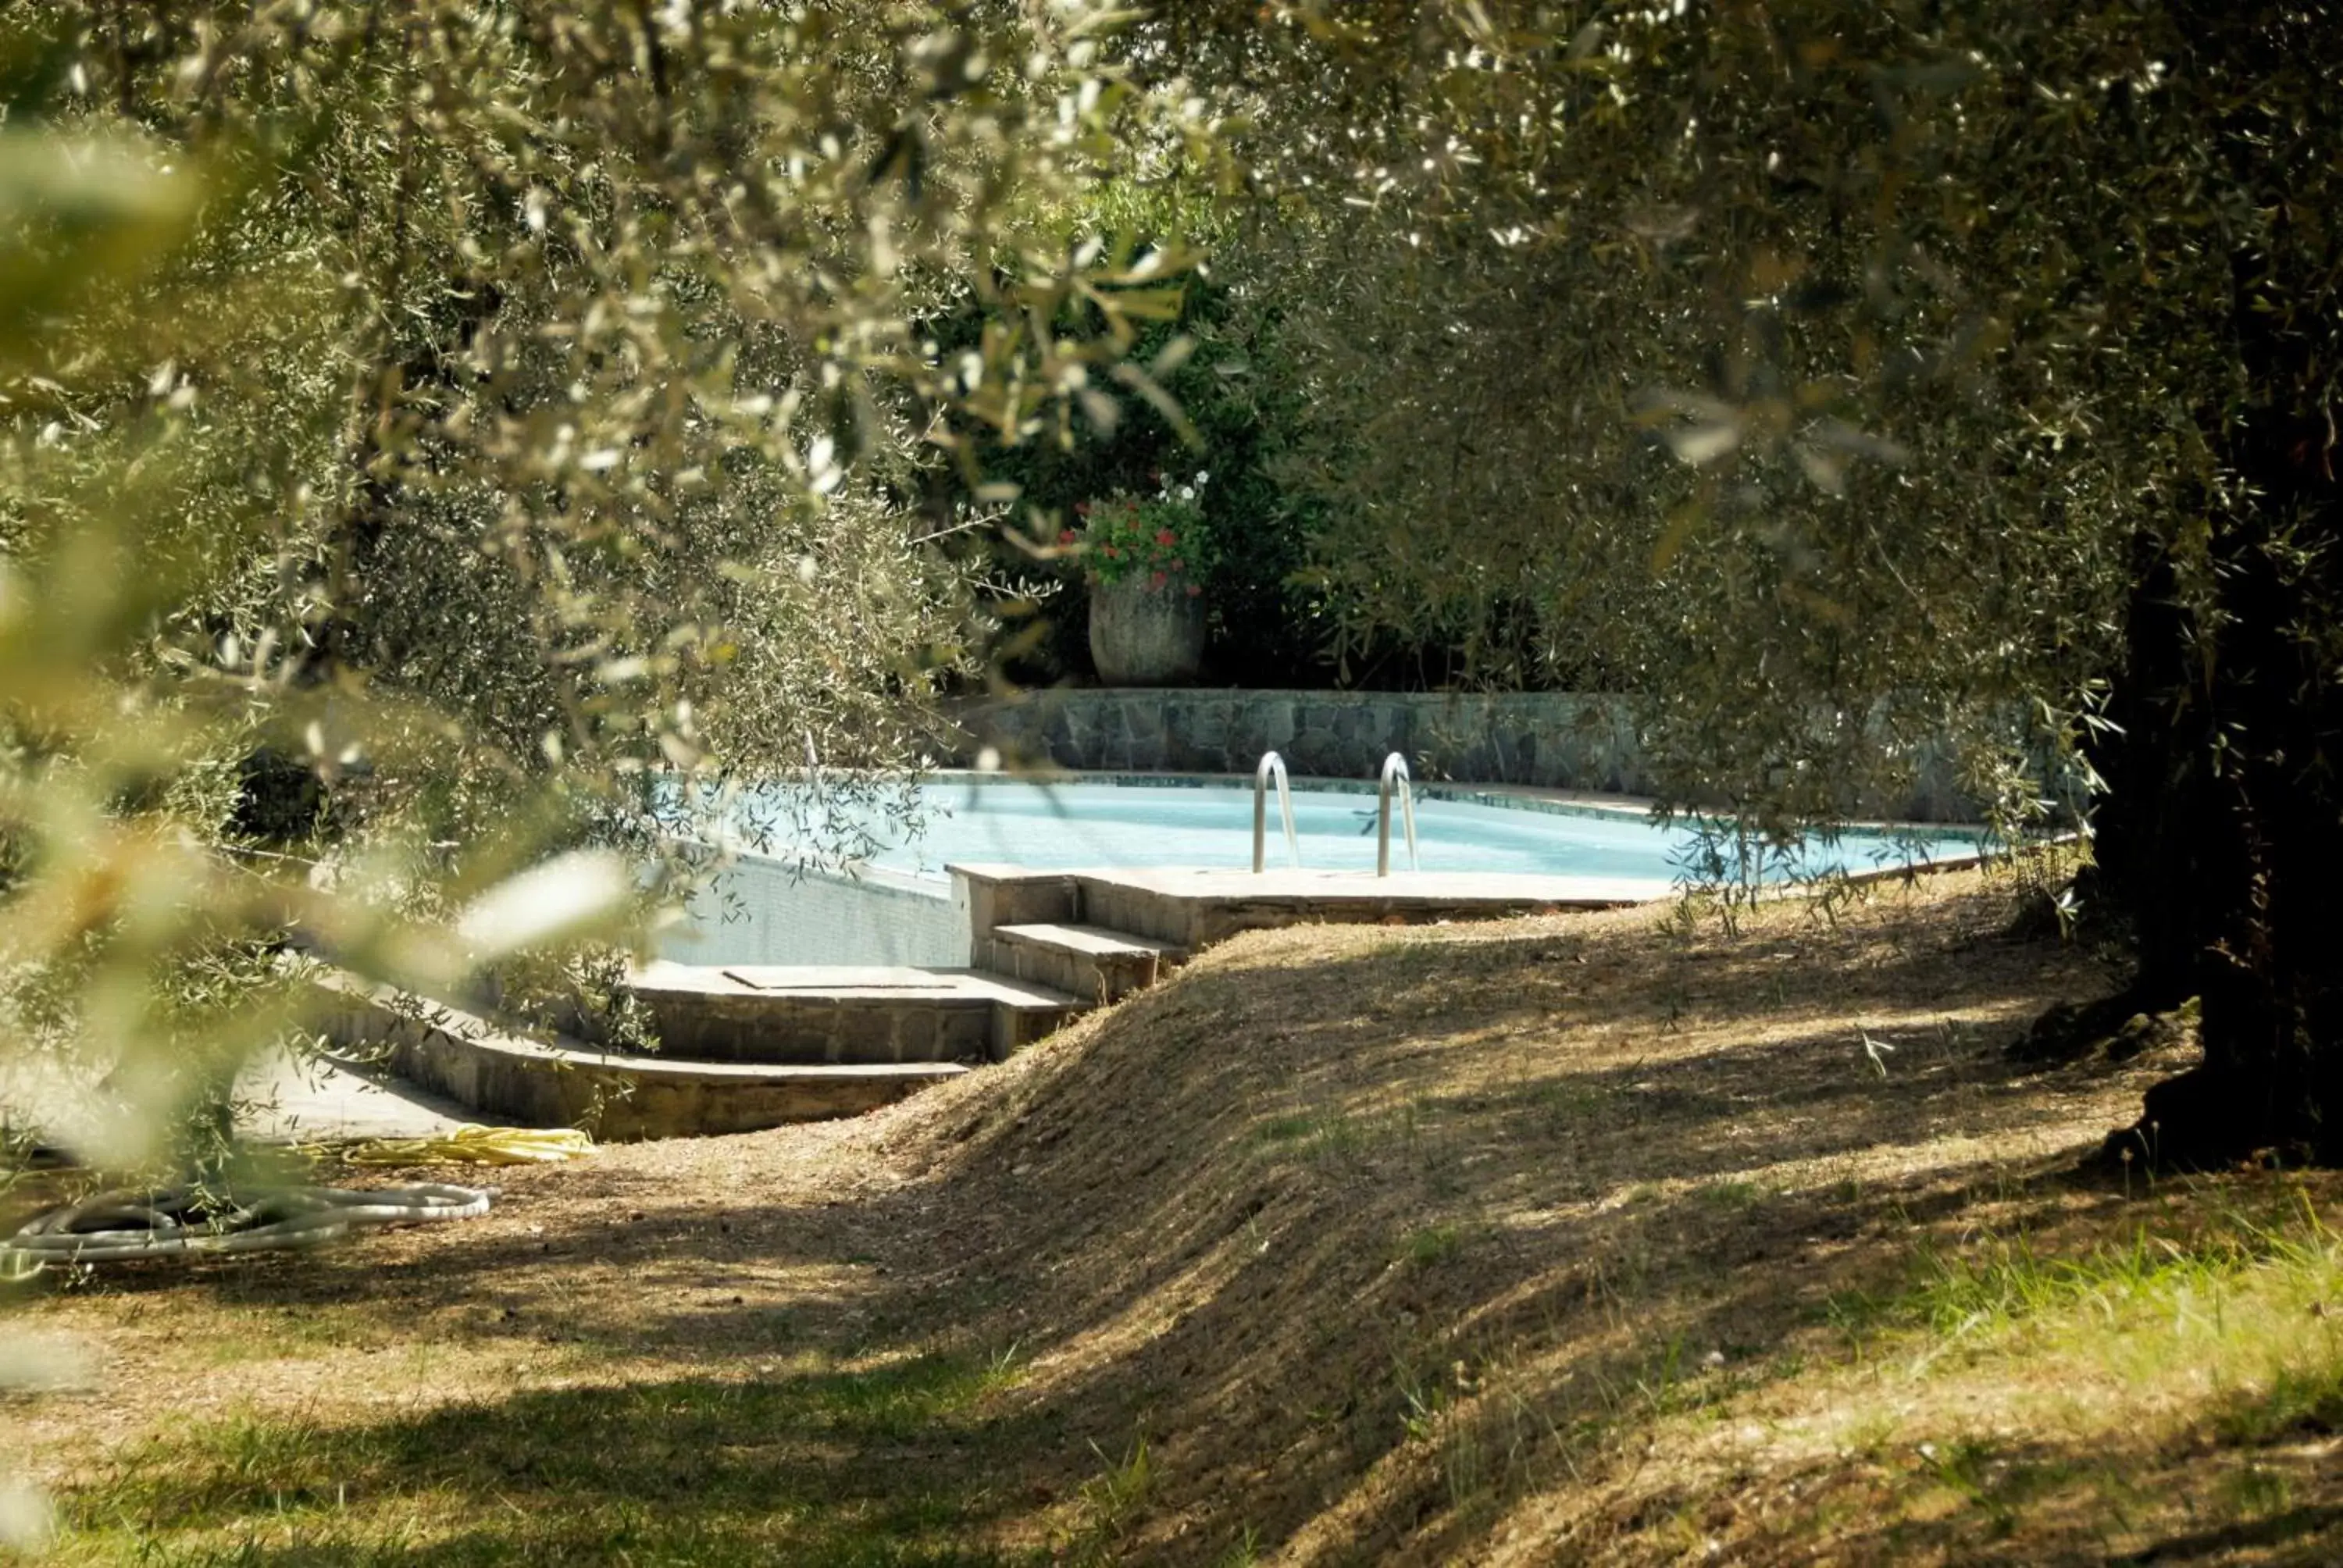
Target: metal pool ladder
1273,766
1394,773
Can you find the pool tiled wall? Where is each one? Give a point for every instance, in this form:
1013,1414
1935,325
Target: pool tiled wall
761,911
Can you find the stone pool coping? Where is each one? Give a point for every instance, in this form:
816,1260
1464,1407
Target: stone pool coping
1511,796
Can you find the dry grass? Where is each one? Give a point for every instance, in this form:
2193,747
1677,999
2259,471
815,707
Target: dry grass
1566,1238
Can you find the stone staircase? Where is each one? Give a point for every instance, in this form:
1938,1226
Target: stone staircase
1035,964
746,1046
873,1034
1091,963
1045,930
820,1015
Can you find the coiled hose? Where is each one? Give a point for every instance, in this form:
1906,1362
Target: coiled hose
131,1223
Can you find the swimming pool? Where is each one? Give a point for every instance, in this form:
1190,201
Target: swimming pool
1208,822
776,905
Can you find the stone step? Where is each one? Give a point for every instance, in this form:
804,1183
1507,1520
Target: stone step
1022,1010
1089,962
1195,908
842,1015
559,1082
1121,905
990,895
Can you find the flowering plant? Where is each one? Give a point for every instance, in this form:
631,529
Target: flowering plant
1161,539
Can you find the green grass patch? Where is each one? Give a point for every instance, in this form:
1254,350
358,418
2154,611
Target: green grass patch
1570,1099
1728,1195
1110,1502
1329,1137
876,1465
1994,1282
2299,1401
1431,1245
1290,1128
2228,1318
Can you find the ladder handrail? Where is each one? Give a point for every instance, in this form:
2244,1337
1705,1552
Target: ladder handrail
1394,769
1272,766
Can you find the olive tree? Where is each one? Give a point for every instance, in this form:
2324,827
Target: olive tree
1851,381
480,425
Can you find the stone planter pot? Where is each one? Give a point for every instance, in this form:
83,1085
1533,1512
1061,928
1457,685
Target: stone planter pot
1146,637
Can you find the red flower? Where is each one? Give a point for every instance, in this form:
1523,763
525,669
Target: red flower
1193,590
1066,536
1159,579
1166,537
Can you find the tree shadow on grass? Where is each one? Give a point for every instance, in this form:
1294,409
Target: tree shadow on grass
1375,1086
2242,1475
1275,1220
2010,1498
2304,1536
1346,1069
888,1464
596,1255
1306,1204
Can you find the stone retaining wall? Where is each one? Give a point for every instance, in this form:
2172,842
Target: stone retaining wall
1556,739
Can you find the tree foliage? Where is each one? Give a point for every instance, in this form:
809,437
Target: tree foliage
485,409
1835,374
466,414
1235,412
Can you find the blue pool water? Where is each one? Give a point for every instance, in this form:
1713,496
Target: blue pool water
1106,823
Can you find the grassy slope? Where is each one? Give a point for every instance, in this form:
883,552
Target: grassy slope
1568,1239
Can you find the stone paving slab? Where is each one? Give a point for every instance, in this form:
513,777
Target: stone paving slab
321,1100
1504,889
902,981
842,983
1092,941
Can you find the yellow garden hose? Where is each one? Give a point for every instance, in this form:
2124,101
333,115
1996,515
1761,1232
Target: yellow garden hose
471,1145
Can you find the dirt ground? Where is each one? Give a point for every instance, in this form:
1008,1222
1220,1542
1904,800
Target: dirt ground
1567,1239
